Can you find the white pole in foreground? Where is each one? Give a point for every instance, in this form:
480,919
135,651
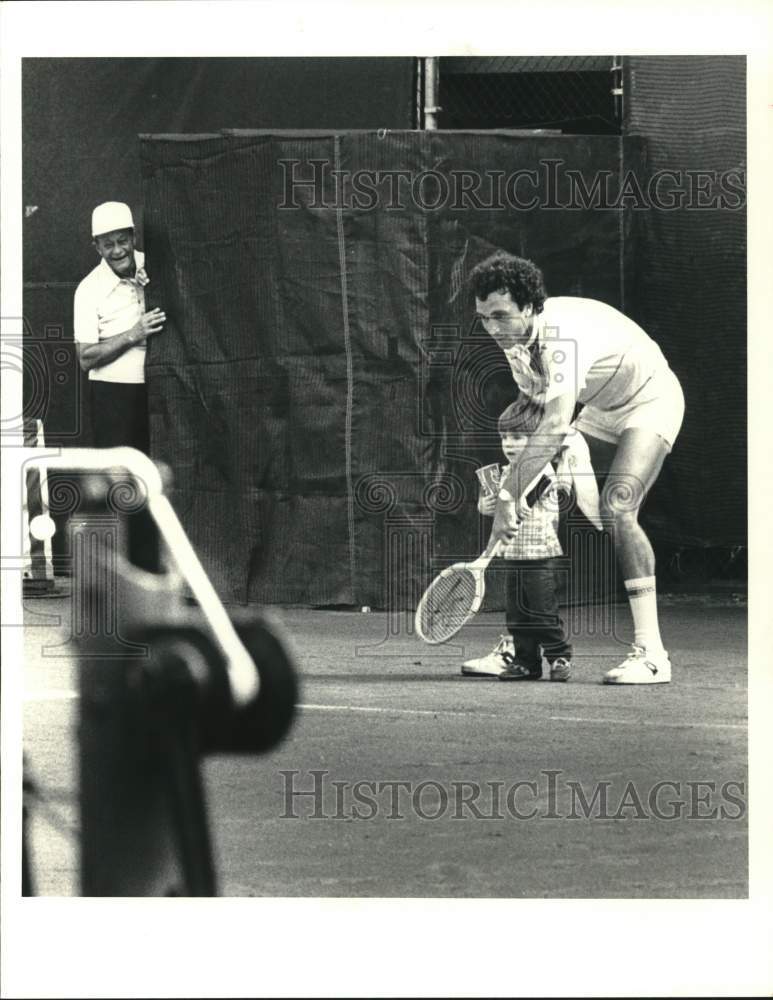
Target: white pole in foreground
242,672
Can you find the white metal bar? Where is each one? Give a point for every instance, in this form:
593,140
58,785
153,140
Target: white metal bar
242,673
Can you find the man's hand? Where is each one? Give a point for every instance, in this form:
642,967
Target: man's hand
102,353
149,323
506,523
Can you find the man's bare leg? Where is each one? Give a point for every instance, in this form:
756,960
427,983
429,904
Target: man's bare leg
632,467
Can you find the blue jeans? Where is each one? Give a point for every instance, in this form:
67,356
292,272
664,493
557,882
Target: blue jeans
533,618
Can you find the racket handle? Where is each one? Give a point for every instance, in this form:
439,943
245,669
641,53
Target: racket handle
536,489
493,549
536,493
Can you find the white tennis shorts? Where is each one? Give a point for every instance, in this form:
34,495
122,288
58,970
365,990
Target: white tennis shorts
658,407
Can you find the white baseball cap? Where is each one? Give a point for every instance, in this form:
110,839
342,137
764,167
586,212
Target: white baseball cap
111,215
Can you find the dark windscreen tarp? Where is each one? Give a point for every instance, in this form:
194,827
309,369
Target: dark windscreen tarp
320,390
690,290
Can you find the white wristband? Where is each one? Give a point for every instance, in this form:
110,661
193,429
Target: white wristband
506,495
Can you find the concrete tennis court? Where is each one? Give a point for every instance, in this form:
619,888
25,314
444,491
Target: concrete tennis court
378,706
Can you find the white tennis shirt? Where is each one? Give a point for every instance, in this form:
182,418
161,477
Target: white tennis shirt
106,305
590,349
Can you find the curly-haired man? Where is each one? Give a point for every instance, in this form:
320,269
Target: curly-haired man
563,351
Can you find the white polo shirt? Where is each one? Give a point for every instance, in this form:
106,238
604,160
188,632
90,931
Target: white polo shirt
106,305
589,349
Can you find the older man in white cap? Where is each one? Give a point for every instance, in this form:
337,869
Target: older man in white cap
112,328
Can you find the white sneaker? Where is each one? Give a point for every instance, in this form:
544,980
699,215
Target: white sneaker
641,668
494,663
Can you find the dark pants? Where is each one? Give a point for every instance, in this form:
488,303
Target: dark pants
532,612
119,417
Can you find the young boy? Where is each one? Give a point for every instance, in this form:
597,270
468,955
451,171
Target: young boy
533,621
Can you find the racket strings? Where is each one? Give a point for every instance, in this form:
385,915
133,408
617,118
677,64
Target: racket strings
447,605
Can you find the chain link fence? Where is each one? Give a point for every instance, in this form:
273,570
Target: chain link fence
571,94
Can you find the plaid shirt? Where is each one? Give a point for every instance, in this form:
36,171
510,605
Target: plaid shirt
538,534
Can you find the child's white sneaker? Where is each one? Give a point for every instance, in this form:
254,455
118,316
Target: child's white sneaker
641,667
494,663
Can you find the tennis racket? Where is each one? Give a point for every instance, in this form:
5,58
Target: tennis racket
453,597
456,594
